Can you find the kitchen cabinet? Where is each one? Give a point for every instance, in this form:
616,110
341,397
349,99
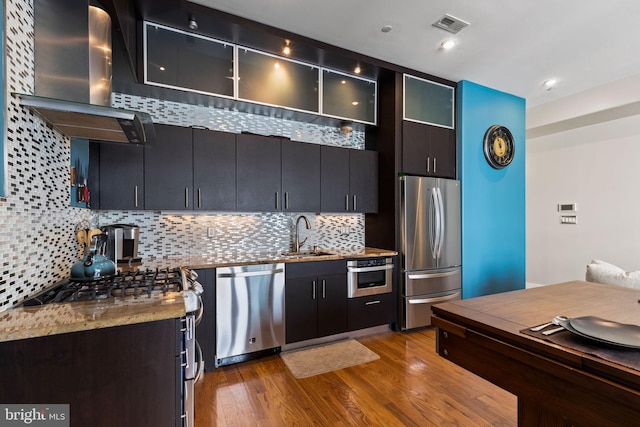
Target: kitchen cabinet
349,180
121,176
300,177
363,180
369,311
125,376
315,299
275,175
168,174
214,170
190,169
258,173
194,63
428,102
428,150
349,97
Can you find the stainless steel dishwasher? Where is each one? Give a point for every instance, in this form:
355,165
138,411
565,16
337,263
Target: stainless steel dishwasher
249,311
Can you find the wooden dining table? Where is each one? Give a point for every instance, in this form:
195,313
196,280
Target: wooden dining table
560,379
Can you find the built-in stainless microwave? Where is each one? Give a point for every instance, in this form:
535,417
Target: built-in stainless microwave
369,276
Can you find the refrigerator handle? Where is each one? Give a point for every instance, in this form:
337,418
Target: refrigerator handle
437,224
441,222
433,224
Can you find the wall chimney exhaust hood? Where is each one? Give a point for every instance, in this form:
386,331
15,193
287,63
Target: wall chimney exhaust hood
94,122
72,70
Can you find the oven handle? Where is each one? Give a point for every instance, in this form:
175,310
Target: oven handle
434,300
199,362
200,310
366,269
433,275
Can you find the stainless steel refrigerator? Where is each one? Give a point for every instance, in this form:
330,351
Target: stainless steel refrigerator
430,246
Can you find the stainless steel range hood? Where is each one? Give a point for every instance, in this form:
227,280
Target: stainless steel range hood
94,122
72,54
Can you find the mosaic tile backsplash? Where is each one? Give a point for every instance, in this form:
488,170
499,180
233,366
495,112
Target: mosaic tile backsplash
37,243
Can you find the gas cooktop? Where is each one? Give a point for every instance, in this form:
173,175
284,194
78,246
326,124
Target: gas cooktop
131,283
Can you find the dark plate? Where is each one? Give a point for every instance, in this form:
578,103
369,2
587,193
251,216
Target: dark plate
604,331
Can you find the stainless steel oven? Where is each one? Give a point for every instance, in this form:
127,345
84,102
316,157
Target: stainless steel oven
369,276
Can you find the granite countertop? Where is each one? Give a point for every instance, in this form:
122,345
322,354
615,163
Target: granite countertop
224,260
51,319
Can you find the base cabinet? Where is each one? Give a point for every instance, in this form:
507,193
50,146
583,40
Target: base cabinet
124,376
369,311
315,300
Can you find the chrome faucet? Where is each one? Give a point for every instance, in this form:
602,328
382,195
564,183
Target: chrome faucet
308,225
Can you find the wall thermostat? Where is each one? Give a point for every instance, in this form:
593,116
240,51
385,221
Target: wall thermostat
567,207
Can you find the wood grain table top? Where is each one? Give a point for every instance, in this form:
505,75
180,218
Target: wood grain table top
503,317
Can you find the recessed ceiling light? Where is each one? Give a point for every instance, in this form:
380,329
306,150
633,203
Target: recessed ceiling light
447,44
357,70
355,103
286,50
550,83
386,28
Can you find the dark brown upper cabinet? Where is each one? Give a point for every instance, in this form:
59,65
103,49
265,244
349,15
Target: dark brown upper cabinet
214,170
349,180
121,177
300,177
258,173
428,150
168,169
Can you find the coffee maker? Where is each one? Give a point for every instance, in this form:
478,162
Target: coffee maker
122,242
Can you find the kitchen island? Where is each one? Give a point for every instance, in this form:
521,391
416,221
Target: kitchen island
555,385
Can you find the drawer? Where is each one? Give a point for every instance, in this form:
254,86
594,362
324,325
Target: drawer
431,282
373,310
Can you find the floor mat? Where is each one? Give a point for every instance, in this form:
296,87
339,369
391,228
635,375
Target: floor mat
307,362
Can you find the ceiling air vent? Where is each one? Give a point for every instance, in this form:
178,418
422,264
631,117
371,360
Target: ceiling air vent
451,24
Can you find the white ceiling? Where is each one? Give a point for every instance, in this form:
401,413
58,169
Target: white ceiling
511,45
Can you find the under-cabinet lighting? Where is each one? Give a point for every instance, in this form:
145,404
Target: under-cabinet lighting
357,70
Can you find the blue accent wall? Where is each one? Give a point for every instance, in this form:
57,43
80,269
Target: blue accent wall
493,201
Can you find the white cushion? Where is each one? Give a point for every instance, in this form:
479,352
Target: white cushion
603,272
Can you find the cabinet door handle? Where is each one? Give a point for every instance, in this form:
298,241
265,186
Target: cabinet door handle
355,202
199,198
346,202
428,164
277,197
186,197
135,196
435,170
313,289
324,289
286,200
372,302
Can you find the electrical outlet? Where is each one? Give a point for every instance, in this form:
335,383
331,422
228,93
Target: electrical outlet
211,232
345,230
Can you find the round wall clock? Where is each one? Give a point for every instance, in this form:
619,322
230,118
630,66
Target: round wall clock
499,147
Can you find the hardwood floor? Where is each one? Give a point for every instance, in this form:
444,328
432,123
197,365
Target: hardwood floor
410,385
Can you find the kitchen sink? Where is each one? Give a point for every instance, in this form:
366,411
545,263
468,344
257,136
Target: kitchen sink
303,254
